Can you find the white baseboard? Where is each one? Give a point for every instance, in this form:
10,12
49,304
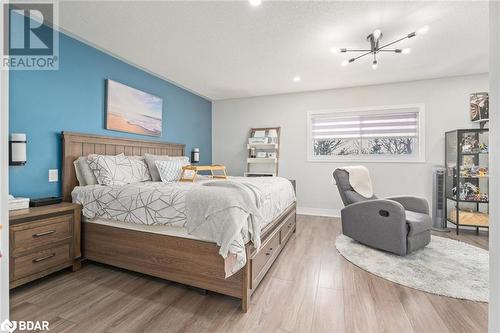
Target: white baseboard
318,211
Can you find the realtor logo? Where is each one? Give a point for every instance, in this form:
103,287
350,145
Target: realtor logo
30,41
8,326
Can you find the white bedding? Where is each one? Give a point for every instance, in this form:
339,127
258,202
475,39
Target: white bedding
156,205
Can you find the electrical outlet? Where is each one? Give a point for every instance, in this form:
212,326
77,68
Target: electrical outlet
53,175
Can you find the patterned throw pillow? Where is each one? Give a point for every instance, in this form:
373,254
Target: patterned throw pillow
118,170
151,160
171,170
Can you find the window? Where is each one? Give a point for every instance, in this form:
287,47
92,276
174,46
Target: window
393,133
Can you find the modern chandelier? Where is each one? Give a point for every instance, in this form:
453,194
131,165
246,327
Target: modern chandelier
375,48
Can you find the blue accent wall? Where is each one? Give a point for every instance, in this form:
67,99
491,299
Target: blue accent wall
44,103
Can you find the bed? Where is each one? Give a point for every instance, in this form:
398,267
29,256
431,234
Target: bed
169,254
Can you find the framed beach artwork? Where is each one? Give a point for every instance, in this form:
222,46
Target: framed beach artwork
132,110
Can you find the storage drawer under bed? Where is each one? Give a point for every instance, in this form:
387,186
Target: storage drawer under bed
287,229
266,253
262,261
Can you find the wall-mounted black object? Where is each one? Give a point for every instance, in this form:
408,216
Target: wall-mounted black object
17,149
195,155
45,201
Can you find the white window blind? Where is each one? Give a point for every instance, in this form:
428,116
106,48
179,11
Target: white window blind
330,126
381,133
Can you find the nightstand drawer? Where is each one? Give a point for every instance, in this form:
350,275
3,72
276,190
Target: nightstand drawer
40,261
31,235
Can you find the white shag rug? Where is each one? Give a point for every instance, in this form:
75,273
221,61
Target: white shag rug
444,267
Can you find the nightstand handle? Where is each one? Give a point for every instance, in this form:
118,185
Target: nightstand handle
40,234
44,258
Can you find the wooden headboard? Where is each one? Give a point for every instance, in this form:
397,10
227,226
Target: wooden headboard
78,144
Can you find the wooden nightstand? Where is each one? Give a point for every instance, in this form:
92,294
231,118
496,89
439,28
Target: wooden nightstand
43,240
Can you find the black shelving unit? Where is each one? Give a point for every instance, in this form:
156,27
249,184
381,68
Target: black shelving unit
467,172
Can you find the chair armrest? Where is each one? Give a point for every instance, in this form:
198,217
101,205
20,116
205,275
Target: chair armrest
378,223
413,203
383,210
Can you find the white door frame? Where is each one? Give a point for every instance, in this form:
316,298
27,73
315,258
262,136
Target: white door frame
4,184
494,125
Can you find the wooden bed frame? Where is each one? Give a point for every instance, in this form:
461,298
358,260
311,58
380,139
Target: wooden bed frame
188,261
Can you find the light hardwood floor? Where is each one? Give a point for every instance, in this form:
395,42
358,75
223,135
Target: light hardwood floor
311,288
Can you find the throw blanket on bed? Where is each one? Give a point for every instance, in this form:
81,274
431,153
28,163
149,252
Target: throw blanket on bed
225,211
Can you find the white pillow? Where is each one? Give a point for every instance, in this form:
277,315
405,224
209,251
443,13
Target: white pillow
118,170
84,174
79,175
153,170
140,169
170,170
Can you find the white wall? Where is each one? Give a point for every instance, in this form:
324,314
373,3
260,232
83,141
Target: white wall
494,308
447,105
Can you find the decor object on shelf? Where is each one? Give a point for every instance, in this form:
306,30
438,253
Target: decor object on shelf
263,152
403,221
132,110
195,155
257,140
445,267
467,172
17,149
469,217
375,48
18,203
479,107
187,176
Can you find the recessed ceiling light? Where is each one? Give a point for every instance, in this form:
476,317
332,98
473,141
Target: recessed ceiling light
255,3
297,79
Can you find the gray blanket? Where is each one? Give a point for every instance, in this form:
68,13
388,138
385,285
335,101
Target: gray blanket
225,211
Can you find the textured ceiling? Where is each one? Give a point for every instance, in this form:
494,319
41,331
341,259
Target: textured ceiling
226,49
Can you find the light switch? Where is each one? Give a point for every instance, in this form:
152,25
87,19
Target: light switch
53,175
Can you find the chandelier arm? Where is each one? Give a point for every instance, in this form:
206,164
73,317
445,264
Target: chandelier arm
391,43
391,50
365,54
356,50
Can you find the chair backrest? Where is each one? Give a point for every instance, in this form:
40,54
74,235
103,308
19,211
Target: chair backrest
347,193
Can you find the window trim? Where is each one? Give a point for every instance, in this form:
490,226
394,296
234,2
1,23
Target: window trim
369,110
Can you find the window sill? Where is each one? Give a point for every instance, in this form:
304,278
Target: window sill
366,160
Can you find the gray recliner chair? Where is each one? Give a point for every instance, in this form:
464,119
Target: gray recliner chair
399,225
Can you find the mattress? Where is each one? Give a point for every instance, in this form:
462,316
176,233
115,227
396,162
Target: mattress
163,204
154,229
